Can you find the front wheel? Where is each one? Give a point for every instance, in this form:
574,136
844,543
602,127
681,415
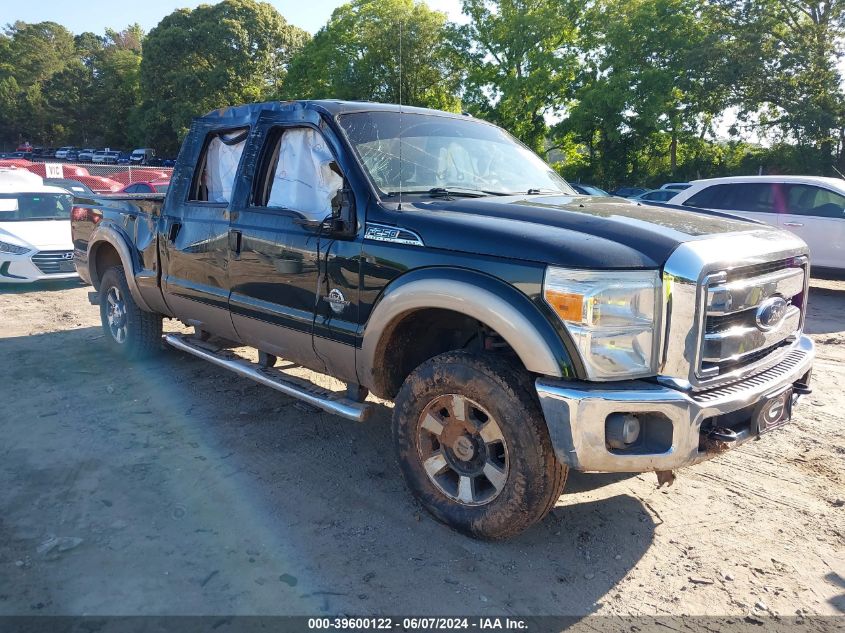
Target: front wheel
473,445
129,330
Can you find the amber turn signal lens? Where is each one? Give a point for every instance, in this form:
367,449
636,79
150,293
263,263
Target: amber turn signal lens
569,306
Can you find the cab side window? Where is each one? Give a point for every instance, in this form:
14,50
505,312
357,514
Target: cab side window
299,173
740,196
709,198
756,197
814,201
214,179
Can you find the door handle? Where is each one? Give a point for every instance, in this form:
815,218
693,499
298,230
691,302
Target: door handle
173,231
793,224
235,242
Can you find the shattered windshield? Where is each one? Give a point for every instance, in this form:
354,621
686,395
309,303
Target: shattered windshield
444,154
35,206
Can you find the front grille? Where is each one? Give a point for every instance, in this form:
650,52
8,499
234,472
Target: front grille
733,336
54,262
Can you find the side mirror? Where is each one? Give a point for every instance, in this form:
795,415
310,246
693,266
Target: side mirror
343,212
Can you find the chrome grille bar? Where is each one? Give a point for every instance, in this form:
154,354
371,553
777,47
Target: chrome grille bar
743,294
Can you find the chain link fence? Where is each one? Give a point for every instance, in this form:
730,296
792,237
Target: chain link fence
100,177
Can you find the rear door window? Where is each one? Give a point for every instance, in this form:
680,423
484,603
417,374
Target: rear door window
814,201
214,178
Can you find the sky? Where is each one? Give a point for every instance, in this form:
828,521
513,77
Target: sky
97,15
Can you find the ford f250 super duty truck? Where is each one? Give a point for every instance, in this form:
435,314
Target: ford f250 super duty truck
521,329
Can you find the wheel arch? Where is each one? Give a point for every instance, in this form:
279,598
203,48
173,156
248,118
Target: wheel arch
107,247
472,295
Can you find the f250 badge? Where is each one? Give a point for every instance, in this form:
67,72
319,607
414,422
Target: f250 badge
385,233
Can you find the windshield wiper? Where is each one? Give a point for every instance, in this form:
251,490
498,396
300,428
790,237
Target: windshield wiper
537,192
450,192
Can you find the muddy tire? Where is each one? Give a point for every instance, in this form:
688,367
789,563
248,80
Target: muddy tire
130,331
473,445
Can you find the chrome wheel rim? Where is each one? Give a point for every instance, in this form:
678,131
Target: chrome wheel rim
116,314
462,450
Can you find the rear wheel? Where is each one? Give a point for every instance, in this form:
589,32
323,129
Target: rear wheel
474,447
131,331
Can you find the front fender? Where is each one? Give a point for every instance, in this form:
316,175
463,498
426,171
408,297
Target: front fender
109,233
495,303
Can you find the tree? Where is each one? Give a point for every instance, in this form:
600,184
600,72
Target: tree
788,81
116,93
31,55
654,79
232,52
521,60
39,50
357,56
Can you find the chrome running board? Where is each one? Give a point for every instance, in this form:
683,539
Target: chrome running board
308,392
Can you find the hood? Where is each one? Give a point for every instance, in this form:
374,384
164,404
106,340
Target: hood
42,235
574,231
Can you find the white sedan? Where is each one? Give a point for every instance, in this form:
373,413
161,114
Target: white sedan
812,207
35,242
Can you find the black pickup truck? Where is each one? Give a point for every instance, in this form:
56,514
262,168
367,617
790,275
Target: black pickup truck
521,329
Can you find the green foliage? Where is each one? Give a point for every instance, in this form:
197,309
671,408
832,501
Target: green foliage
520,59
610,91
56,88
787,52
232,52
356,56
653,71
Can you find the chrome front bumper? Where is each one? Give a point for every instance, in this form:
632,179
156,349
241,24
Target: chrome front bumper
576,412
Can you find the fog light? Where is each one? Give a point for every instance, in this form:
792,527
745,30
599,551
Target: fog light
621,430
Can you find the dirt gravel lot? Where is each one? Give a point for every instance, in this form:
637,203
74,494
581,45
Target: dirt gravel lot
175,487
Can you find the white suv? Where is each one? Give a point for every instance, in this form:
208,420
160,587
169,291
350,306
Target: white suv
812,207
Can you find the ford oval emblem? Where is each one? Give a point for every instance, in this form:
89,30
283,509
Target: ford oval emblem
770,313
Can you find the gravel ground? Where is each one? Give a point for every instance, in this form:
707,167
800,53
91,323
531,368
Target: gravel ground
174,487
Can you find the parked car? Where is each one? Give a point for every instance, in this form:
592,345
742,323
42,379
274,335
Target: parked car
521,330
123,159
61,153
106,157
589,190
22,155
656,195
86,155
628,192
24,147
155,186
142,156
35,239
72,155
812,207
676,186
75,187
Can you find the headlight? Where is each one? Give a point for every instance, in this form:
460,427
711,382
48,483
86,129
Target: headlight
5,247
612,316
